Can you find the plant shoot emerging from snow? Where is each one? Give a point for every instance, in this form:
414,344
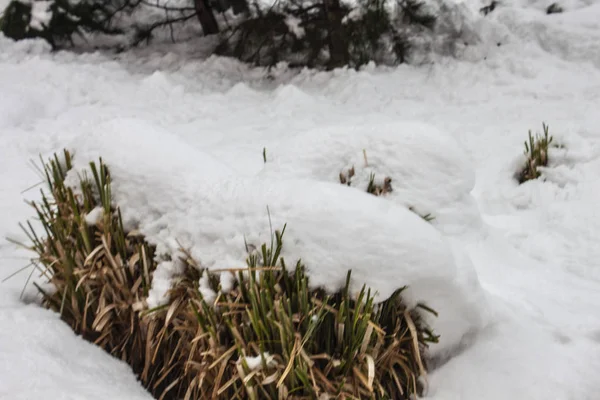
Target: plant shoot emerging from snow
536,151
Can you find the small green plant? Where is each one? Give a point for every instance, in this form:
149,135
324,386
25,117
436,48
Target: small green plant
372,187
536,151
269,335
379,189
427,217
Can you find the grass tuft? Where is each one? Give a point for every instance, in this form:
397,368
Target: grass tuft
536,151
269,335
379,189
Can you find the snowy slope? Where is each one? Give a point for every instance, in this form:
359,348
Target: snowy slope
532,249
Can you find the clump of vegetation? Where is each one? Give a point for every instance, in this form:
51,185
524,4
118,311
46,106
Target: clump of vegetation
267,334
554,8
320,34
374,188
57,21
327,33
536,151
489,8
378,189
346,177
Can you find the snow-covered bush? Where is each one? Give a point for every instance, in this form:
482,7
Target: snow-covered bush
57,21
328,33
320,33
266,334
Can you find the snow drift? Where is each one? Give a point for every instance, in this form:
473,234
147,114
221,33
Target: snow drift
187,198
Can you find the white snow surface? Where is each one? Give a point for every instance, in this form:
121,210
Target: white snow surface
40,14
255,363
95,216
512,269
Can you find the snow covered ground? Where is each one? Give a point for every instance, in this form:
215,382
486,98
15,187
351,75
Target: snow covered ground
513,269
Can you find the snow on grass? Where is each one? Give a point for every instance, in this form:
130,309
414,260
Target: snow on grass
429,171
198,128
256,363
94,216
41,14
177,197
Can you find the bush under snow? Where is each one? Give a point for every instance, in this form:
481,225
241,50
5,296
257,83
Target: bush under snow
187,198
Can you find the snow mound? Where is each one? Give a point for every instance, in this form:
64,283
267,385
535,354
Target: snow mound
43,358
185,197
560,207
430,172
572,36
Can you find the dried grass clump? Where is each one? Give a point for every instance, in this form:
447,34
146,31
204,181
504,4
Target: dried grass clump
269,336
536,151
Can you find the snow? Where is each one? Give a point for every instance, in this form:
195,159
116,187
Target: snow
293,25
41,14
94,217
165,271
430,172
255,363
42,357
512,269
207,293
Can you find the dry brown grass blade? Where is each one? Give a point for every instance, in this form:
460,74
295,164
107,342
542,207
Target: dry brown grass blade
173,308
103,318
415,342
223,360
93,254
227,384
145,264
370,372
367,339
113,263
163,376
290,364
361,377
148,355
170,387
270,379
